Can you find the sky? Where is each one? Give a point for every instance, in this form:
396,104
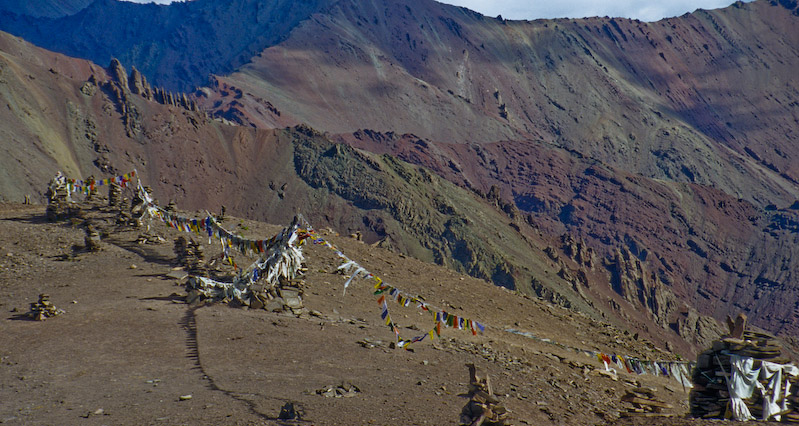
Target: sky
645,10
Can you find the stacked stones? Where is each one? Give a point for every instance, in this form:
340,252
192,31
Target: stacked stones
285,297
92,238
483,408
189,254
114,195
43,309
642,402
180,249
195,258
124,218
57,198
710,396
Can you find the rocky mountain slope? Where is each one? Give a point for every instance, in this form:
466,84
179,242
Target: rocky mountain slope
44,9
176,46
595,127
644,171
70,115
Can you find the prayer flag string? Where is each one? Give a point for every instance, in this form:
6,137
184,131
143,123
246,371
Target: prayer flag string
384,291
285,257
88,185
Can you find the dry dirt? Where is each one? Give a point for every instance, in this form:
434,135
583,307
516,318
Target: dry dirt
128,346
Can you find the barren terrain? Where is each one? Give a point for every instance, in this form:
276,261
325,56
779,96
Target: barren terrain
128,347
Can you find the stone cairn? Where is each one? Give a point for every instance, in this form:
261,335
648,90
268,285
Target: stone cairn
58,202
118,203
483,408
710,397
43,309
92,238
190,255
114,195
181,244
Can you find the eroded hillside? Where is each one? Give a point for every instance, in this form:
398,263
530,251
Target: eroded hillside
642,171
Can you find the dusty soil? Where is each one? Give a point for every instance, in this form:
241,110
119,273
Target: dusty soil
128,346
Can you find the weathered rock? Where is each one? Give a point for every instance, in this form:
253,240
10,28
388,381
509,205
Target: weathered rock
138,84
291,297
275,305
177,275
289,412
256,303
118,73
88,88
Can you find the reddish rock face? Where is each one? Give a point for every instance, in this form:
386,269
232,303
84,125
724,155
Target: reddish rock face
659,143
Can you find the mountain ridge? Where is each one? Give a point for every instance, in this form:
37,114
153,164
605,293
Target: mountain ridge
176,46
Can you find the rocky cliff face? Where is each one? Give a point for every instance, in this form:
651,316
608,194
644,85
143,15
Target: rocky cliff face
665,99
658,141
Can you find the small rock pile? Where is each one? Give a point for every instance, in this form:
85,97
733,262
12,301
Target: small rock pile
642,402
483,408
149,238
710,397
43,309
343,390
